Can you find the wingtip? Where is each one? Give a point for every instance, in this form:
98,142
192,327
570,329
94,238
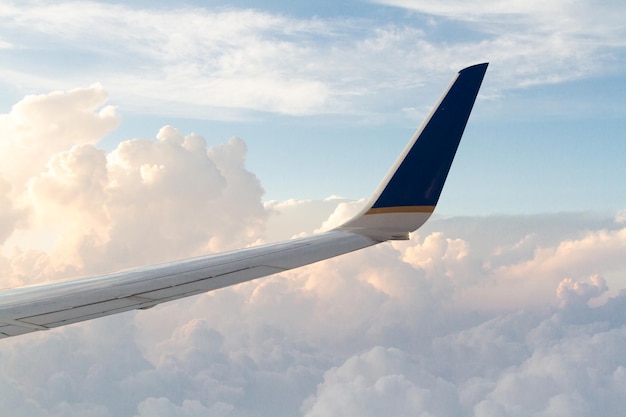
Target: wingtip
409,193
482,66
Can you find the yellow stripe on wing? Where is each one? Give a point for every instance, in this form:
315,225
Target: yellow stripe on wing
401,209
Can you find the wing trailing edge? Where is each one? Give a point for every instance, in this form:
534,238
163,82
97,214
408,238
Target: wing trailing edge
404,200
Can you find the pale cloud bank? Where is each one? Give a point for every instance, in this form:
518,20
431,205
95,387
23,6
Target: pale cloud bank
517,315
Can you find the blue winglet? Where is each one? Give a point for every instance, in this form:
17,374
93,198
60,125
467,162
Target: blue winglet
414,183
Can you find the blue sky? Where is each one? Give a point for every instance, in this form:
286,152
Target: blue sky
509,301
329,92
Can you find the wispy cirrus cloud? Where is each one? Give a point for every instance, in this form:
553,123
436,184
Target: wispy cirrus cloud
184,60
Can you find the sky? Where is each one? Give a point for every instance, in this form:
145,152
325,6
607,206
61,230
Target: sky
136,132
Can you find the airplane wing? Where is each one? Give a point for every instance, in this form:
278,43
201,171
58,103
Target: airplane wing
404,200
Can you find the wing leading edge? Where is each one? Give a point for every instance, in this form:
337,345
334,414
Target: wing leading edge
404,200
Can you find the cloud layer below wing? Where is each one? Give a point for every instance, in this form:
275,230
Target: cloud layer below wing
512,315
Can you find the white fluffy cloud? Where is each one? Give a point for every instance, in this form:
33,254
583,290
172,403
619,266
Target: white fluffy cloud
472,316
382,381
104,211
40,126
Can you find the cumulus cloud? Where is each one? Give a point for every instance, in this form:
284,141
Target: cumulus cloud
102,211
39,126
381,382
342,213
572,292
156,407
9,214
510,315
299,216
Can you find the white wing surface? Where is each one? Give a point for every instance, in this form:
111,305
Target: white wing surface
403,202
